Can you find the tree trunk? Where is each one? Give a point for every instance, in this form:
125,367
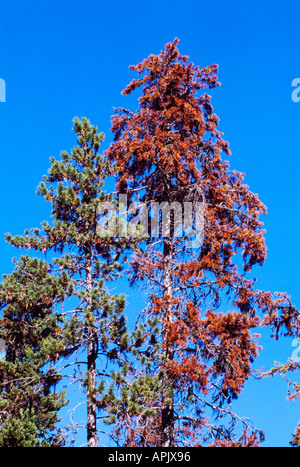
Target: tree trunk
92,438
167,436
91,406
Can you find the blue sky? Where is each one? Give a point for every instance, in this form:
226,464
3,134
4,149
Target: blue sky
63,58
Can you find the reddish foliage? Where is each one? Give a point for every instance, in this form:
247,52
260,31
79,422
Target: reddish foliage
170,149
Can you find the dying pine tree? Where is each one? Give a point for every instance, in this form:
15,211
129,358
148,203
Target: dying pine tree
94,330
196,349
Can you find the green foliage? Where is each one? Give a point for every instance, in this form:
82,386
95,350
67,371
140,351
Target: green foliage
32,333
20,431
89,323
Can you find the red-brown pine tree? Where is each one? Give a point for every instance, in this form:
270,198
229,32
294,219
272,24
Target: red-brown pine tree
196,354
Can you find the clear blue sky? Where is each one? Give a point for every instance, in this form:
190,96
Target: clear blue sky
63,58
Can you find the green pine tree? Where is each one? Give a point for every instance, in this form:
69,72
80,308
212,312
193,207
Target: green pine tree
32,334
94,324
